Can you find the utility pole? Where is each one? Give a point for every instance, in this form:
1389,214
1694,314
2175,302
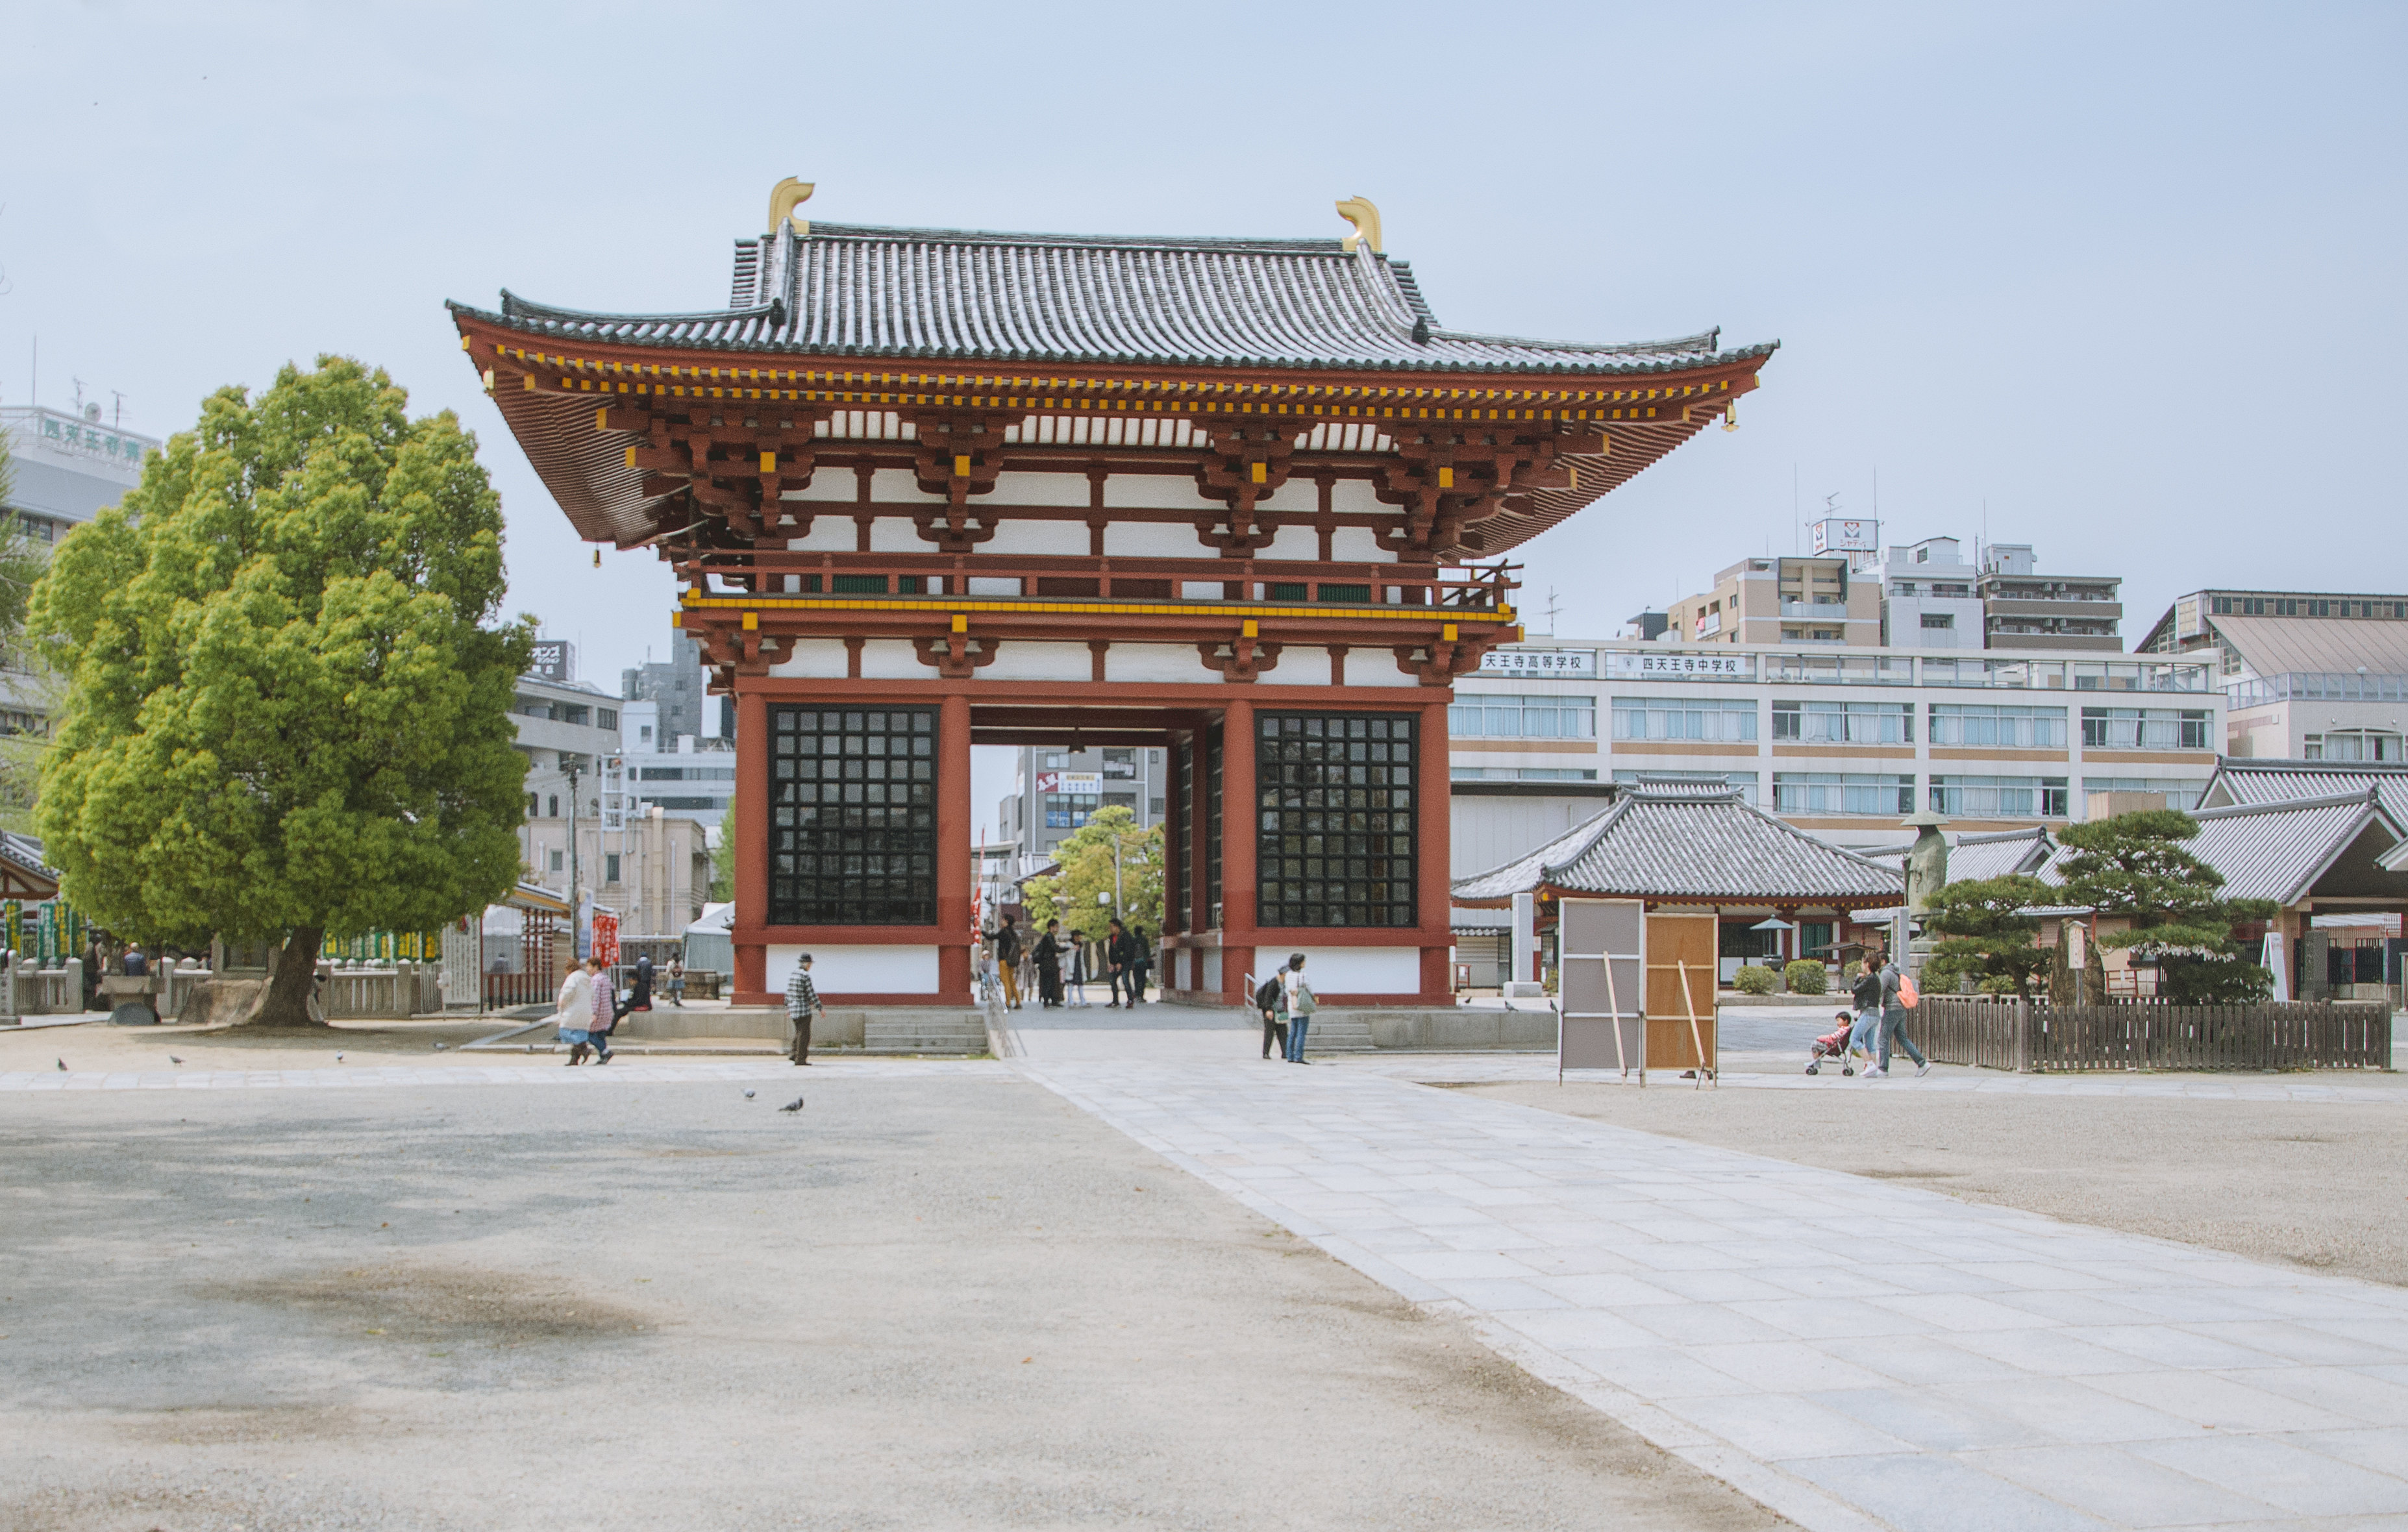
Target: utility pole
574,931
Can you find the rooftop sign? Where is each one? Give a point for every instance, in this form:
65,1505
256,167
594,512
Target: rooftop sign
85,445
1622,664
1543,663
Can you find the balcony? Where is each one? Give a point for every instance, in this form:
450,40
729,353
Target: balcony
1828,611
2073,608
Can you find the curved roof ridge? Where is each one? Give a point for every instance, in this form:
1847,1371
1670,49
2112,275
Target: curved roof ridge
2372,798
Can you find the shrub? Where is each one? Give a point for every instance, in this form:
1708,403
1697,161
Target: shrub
1754,980
1805,975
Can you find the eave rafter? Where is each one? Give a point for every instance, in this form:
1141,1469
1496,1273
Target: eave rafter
1479,466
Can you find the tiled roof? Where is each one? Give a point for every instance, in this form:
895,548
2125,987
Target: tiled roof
2245,781
2277,850
27,853
1977,856
953,295
1656,842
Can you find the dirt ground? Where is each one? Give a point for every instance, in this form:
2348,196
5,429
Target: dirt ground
96,1045
2316,1185
917,1303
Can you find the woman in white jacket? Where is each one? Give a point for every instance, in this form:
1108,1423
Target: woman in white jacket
575,1016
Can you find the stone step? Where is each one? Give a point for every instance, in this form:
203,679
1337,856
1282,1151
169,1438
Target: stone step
1338,1034
947,1032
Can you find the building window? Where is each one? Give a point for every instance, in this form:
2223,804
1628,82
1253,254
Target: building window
1182,843
645,732
1335,827
854,817
2181,792
1719,720
1939,619
1999,797
1841,792
535,807
2007,727
1744,780
1053,760
1153,811
611,866
1069,810
1120,762
1509,717
1844,723
2352,745
1215,746
555,860
554,802
607,717
576,713
2144,728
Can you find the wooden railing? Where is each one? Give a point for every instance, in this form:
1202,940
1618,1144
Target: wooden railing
1037,578
508,991
2006,1034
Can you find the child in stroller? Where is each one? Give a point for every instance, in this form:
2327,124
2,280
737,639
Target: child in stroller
1834,1046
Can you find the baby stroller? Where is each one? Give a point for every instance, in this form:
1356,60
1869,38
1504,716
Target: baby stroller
1833,1046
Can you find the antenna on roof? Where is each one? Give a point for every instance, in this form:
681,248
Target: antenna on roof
1552,609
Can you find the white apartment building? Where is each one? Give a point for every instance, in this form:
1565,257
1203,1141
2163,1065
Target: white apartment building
1055,791
1930,596
1843,742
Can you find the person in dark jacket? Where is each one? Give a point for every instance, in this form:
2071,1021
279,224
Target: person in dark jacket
1268,999
1048,954
1117,958
1140,964
641,996
1865,1033
1007,962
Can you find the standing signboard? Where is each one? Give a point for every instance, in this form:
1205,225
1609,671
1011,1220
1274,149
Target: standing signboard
1681,983
1601,951
606,935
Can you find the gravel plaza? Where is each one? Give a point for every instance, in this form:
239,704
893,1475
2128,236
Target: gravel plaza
500,1293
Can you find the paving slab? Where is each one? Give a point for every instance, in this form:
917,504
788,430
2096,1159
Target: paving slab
1953,1355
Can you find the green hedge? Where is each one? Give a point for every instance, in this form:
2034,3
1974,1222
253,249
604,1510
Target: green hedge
1805,975
1754,980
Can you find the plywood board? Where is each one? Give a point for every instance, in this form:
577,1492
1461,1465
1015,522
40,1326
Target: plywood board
1681,991
1602,953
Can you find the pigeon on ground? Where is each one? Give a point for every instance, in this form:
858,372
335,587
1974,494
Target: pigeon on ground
63,1064
173,1059
439,1048
795,1105
338,1058
748,1095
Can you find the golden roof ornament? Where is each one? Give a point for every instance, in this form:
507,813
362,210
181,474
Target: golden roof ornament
1366,218
792,193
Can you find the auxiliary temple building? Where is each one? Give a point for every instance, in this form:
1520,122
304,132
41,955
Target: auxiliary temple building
926,489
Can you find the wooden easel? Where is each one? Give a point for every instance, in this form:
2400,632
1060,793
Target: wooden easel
1696,1038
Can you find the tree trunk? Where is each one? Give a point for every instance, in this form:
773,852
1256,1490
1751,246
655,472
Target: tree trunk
295,976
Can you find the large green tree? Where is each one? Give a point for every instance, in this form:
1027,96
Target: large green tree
1983,932
1085,859
291,690
31,685
2137,866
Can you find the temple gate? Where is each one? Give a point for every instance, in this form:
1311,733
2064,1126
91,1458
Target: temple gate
931,489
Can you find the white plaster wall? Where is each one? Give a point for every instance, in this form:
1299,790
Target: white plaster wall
893,659
818,658
1152,540
832,532
1356,495
895,535
1293,542
1165,492
1351,971
1173,662
1357,545
826,484
1021,659
1212,970
1019,536
1037,489
857,970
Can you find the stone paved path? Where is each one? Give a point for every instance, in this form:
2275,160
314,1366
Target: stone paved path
1853,1353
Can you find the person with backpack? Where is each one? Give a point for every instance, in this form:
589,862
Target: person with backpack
1296,1000
1899,996
1267,1000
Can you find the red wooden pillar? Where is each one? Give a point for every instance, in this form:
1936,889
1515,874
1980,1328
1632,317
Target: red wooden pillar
1238,841
1434,850
1199,851
953,851
749,824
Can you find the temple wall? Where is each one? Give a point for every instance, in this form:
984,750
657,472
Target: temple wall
1354,971
1021,659
857,970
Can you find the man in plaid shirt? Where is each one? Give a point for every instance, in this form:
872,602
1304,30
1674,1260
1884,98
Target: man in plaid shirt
801,1000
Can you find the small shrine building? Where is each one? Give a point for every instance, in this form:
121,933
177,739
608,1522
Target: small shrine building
926,489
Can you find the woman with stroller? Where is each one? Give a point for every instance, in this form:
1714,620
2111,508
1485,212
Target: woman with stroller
1865,1036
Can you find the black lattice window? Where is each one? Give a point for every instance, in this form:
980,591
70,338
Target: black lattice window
1213,817
1334,824
853,805
1183,833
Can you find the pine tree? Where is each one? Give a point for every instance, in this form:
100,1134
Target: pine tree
2137,866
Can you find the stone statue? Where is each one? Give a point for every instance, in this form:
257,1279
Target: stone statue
1926,873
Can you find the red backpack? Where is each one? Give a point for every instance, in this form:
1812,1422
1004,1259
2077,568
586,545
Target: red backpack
1908,995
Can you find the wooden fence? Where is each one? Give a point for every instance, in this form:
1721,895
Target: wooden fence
2007,1034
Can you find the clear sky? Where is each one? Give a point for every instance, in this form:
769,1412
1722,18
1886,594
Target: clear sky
2128,277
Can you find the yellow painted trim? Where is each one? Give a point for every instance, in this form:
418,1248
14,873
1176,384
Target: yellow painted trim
946,603
751,620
